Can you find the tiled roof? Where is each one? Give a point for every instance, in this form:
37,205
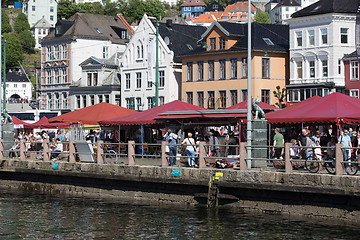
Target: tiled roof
16,77
220,17
182,38
239,7
328,6
189,3
92,26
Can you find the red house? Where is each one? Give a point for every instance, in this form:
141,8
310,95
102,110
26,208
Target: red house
352,83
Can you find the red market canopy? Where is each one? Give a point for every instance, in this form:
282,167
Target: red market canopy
149,116
331,108
93,114
20,124
44,123
243,105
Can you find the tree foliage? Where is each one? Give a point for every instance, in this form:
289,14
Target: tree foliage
5,22
280,96
66,8
21,23
262,17
27,41
14,53
6,3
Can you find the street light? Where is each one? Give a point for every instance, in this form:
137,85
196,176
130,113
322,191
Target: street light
249,114
156,63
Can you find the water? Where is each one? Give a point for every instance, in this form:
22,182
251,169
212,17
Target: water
58,217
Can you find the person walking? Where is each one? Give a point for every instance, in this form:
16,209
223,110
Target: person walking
171,139
278,143
345,140
190,149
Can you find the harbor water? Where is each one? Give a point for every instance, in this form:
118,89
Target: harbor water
24,216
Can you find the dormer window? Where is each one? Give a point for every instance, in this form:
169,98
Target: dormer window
123,34
212,44
268,41
221,43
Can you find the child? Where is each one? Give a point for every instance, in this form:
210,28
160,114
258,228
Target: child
317,150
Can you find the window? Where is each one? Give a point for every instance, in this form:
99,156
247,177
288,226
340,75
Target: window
84,101
233,97
56,101
107,98
150,102
64,51
265,67
200,70
138,80
123,34
56,52
189,97
211,99
161,100
33,8
233,68
299,39
222,99
51,9
56,76
311,37
78,101
268,41
265,96
312,68
244,68
221,43
138,104
344,35
354,93
127,80
105,52
92,79
92,100
211,70
299,70
324,68
63,76
200,99
101,99
24,85
243,94
51,18
222,72
140,51
324,36
293,95
48,76
212,44
128,104
161,78
117,99
15,85
354,73
189,72
339,66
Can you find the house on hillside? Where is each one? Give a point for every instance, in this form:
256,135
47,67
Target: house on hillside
192,8
18,85
137,65
40,30
215,74
320,35
71,43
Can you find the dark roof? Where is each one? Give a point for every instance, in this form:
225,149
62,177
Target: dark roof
277,34
350,56
328,6
214,6
90,26
16,77
182,38
288,3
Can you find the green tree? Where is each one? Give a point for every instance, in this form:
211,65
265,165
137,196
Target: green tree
93,8
280,96
262,17
66,8
27,41
21,23
14,53
111,8
5,23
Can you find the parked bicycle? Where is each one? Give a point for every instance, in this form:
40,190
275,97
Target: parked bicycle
312,163
352,167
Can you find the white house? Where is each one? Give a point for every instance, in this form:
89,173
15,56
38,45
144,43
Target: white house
35,10
40,29
72,42
138,63
18,85
320,35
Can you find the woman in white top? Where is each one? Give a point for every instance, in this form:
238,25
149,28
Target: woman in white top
190,149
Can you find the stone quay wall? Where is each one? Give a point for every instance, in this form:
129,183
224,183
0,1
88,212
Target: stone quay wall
312,195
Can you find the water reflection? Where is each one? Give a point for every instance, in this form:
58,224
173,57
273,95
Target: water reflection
57,217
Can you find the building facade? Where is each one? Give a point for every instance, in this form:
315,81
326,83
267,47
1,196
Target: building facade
320,35
18,85
35,10
40,30
138,62
72,42
215,74
192,8
351,70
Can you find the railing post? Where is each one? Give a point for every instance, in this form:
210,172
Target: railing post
100,152
243,154
46,150
2,153
164,162
131,153
22,149
202,155
72,151
338,159
288,165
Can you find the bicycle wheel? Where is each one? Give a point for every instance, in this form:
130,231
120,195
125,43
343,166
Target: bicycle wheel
350,168
330,165
312,165
111,154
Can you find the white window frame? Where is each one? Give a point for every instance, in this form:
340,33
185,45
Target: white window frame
354,70
354,93
311,37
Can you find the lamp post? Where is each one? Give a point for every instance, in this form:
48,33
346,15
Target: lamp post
249,114
156,63
1,122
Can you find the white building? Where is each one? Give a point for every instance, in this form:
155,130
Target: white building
320,35
18,85
138,63
72,42
40,29
35,10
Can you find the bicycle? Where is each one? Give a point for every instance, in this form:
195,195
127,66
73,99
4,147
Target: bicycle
312,163
352,167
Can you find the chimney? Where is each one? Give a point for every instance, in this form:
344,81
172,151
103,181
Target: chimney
169,23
